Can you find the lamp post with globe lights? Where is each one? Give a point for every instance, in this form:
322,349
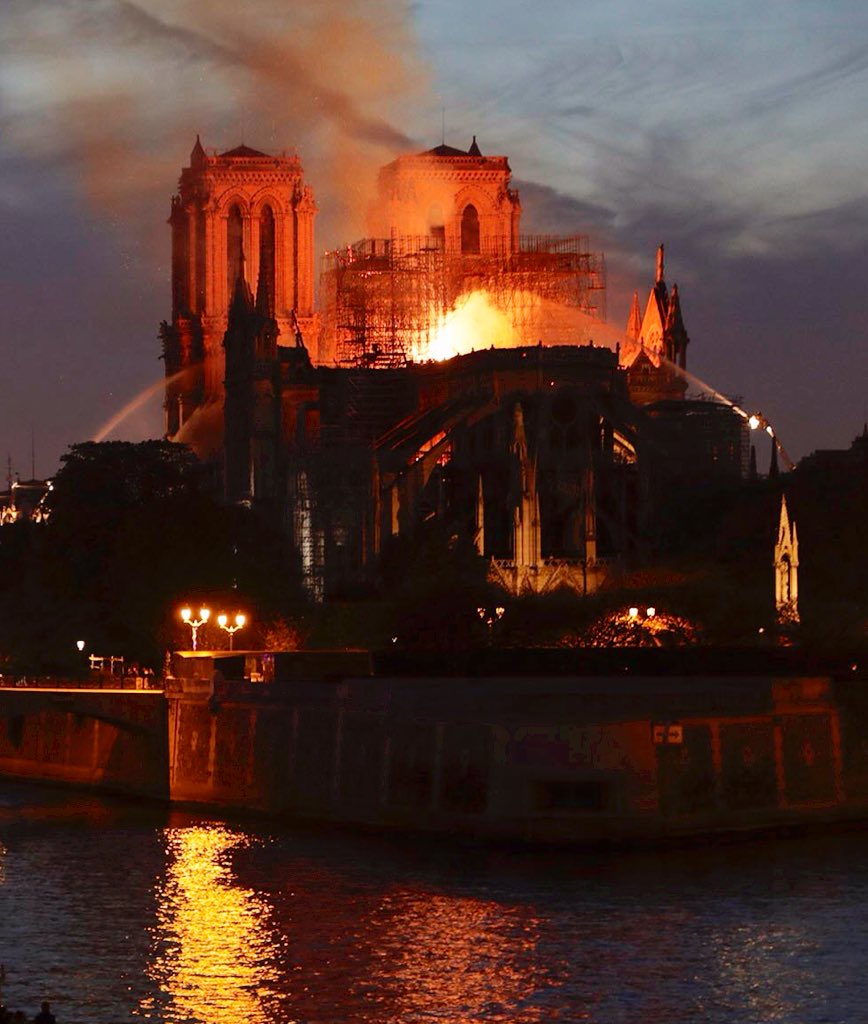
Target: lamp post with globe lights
195,624
223,623
490,617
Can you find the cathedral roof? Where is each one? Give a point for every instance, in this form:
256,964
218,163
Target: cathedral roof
243,150
444,150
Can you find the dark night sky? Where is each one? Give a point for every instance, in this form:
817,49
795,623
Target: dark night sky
733,132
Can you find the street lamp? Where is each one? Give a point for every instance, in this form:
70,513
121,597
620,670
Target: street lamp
194,624
81,663
223,620
490,617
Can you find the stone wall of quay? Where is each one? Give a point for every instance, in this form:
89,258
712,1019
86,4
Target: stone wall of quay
113,741
544,758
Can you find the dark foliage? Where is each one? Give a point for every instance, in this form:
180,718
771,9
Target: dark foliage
133,533
436,583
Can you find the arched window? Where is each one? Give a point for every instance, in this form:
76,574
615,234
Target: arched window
470,229
266,257
234,250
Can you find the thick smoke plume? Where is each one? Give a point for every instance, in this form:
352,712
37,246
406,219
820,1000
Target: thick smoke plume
113,92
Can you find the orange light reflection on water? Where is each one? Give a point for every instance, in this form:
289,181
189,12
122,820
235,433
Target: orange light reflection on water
466,959
214,949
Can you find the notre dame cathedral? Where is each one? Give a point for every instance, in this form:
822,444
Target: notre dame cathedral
447,372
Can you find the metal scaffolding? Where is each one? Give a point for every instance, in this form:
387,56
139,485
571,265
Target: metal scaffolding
382,298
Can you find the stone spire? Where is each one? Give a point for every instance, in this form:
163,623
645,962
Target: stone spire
242,297
589,501
527,549
675,332
786,569
479,538
250,415
264,298
197,154
634,321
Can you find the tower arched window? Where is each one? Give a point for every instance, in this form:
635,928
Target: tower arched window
470,229
234,249
266,257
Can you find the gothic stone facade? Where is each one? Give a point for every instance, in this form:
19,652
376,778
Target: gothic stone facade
541,454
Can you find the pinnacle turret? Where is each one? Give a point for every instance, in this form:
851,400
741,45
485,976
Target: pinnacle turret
264,298
197,154
242,297
634,320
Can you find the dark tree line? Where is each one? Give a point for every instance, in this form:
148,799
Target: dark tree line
134,531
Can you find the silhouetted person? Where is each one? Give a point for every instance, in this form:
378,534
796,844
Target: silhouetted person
45,1016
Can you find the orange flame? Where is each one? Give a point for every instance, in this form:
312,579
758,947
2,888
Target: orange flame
474,323
478,321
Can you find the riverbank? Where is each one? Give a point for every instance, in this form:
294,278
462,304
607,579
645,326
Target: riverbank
567,747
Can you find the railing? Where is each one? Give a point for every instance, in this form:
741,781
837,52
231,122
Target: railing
103,681
611,562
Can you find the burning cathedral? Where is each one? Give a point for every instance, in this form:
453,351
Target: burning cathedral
448,372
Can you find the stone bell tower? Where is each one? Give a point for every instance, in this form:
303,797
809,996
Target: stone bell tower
460,200
242,213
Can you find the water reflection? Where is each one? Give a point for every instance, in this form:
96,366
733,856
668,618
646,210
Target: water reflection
214,951
764,967
326,944
465,958
288,925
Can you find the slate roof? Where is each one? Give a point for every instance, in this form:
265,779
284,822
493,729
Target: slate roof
243,150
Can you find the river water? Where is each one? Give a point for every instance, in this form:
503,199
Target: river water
117,912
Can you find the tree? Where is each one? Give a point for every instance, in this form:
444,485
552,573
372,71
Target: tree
436,582
133,532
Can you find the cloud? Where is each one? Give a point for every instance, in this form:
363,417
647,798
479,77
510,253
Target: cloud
101,100
753,110
733,133
111,93
550,212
